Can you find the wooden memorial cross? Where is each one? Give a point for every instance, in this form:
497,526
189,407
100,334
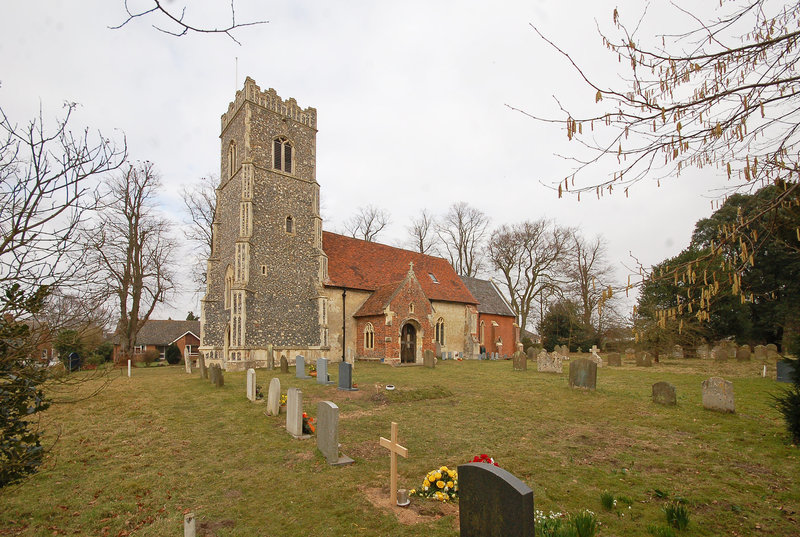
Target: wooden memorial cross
395,449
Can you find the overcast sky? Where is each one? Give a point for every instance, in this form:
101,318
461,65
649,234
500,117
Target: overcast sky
411,99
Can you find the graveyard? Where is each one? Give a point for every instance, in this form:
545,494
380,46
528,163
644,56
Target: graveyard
137,456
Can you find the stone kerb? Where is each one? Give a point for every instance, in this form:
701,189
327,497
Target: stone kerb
493,502
718,395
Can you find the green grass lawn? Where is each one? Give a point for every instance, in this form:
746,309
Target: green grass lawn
132,459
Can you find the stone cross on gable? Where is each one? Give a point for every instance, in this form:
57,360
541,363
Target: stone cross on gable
395,449
411,265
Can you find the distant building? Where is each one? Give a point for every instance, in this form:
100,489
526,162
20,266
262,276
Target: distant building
497,328
159,334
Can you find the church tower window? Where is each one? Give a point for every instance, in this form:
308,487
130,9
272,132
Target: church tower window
231,158
369,336
228,285
440,331
289,225
282,155
411,308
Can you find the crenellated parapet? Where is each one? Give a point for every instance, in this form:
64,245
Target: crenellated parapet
271,101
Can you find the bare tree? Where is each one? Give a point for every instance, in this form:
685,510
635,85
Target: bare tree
178,24
200,200
421,233
462,232
530,259
133,248
44,177
367,223
591,277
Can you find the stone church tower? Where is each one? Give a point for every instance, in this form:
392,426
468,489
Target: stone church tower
267,267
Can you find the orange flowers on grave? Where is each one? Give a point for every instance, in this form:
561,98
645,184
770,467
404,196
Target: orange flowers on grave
308,424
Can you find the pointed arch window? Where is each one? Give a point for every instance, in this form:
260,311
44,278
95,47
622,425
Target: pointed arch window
289,224
231,158
282,154
228,285
369,336
440,331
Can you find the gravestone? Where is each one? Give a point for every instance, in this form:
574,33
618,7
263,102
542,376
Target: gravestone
300,367
720,353
784,371
449,355
215,375
395,449
772,351
630,354
270,357
760,352
493,502
718,394
187,360
703,352
346,377
294,413
531,352
677,351
614,359
428,359
274,397
549,363
201,363
644,360
594,350
284,364
520,361
322,372
664,394
251,384
438,350
596,359
328,433
189,525
743,353
583,374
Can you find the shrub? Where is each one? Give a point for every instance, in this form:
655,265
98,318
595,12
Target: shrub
788,404
677,515
150,356
173,354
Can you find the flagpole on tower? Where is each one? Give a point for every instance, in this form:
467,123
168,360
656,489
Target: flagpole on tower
236,80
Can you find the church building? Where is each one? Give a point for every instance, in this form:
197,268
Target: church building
277,283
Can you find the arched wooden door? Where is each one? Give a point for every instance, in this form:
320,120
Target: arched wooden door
408,344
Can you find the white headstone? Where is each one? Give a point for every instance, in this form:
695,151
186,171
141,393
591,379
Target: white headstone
274,397
187,361
251,384
294,413
328,433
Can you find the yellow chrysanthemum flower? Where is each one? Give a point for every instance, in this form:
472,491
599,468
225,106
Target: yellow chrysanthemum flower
440,484
451,473
449,484
443,469
438,475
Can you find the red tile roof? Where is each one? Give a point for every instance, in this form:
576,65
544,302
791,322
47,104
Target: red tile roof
377,301
357,264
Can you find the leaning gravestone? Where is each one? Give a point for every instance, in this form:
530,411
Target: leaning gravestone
784,371
251,384
520,361
718,394
583,374
549,363
428,359
284,365
493,502
300,367
201,363
294,413
664,394
644,360
743,353
322,372
274,397
328,433
346,377
219,380
614,359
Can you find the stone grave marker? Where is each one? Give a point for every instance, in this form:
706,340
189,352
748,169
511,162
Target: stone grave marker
644,360
322,372
189,525
703,352
531,352
274,397
346,377
596,359
201,363
215,375
493,502
594,350
719,353
614,359
284,364
520,361
328,433
760,352
300,367
549,363
784,371
664,394
718,395
772,351
630,354
428,359
395,449
211,372
583,374
743,353
270,357
677,351
294,413
187,361
251,384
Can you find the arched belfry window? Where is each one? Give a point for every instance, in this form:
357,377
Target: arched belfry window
289,224
369,336
231,158
440,331
228,285
282,155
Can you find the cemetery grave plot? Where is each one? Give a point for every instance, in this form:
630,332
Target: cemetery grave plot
173,443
